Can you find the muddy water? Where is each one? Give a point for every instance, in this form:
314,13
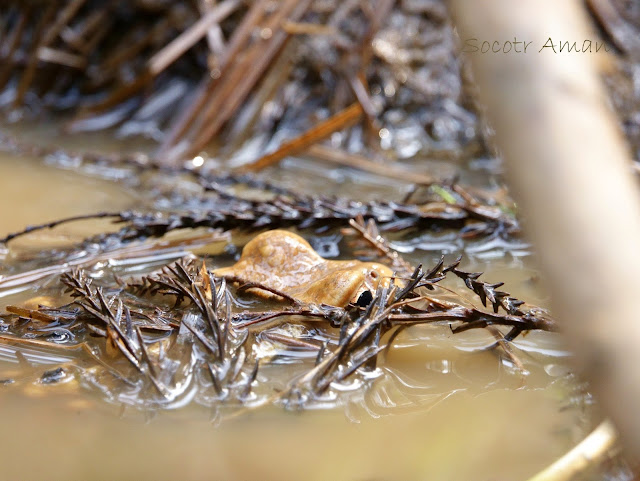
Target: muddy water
442,411
34,193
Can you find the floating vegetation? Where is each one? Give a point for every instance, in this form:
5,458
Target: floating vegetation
247,105
221,208
205,345
271,80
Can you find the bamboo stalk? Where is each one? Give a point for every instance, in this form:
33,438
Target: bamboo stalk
569,168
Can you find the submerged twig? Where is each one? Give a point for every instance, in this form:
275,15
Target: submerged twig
590,452
319,132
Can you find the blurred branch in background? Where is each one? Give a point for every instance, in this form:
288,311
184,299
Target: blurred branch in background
592,450
242,81
569,168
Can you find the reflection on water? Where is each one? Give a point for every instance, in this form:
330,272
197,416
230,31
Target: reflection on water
437,407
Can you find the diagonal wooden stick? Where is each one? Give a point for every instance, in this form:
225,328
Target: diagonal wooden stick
344,118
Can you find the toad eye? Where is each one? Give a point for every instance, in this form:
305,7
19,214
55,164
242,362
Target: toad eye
364,299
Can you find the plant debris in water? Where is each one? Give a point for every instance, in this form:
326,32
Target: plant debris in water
231,87
182,332
228,90
187,73
204,344
218,207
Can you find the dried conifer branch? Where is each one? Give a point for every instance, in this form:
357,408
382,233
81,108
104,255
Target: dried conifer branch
347,357
51,225
474,319
326,313
362,328
224,335
234,212
369,231
486,291
206,294
94,303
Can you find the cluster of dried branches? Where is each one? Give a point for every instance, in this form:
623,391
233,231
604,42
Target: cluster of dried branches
204,338
287,75
189,73
158,343
345,65
229,211
233,70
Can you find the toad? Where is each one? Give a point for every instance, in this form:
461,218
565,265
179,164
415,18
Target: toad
285,262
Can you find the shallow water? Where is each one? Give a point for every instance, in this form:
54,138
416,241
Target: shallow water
442,410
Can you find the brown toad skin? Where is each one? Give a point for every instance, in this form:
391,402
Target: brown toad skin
285,261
